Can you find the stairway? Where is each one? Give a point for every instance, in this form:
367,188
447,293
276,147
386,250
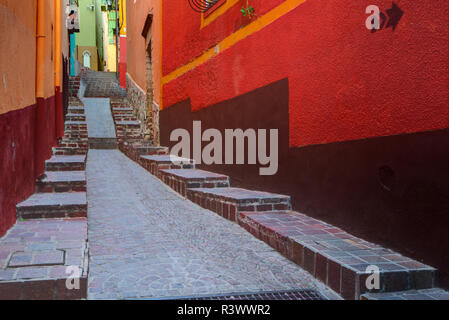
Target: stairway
335,257
51,232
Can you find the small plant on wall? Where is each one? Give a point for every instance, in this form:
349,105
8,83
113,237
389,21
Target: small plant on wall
248,10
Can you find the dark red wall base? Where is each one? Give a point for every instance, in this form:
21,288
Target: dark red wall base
391,190
26,138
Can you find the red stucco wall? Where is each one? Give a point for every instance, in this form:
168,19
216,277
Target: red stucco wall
345,83
27,123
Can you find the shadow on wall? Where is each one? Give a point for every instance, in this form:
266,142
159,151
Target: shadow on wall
392,190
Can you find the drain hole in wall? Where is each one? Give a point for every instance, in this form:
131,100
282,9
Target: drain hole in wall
386,177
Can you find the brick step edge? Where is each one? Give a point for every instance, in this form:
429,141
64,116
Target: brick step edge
52,212
134,152
344,271
423,294
181,184
347,282
65,166
229,207
51,289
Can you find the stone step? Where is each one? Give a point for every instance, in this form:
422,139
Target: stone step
335,257
102,143
67,151
154,163
35,255
135,149
75,126
73,138
182,179
76,110
128,124
121,118
66,163
75,117
53,205
76,123
424,294
228,202
73,143
62,181
119,110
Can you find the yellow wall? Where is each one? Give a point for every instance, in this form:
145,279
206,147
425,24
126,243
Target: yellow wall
112,59
122,7
49,76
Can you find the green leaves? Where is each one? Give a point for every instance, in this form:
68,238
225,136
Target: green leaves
248,11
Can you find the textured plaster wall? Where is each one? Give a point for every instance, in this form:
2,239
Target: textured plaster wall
136,12
345,83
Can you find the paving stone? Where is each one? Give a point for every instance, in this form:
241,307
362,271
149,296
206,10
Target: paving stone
44,276
53,205
99,118
148,241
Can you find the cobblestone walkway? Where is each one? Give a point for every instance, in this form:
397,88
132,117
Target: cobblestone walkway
147,241
99,118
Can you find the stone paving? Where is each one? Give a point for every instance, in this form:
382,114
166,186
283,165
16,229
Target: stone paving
34,256
102,84
99,118
146,241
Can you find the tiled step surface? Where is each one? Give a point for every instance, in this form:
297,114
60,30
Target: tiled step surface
228,202
154,163
34,256
66,163
424,294
53,205
76,110
128,124
62,181
75,117
124,117
335,257
182,179
122,110
136,149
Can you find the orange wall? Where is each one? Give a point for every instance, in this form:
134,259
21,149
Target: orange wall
136,14
49,76
17,54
